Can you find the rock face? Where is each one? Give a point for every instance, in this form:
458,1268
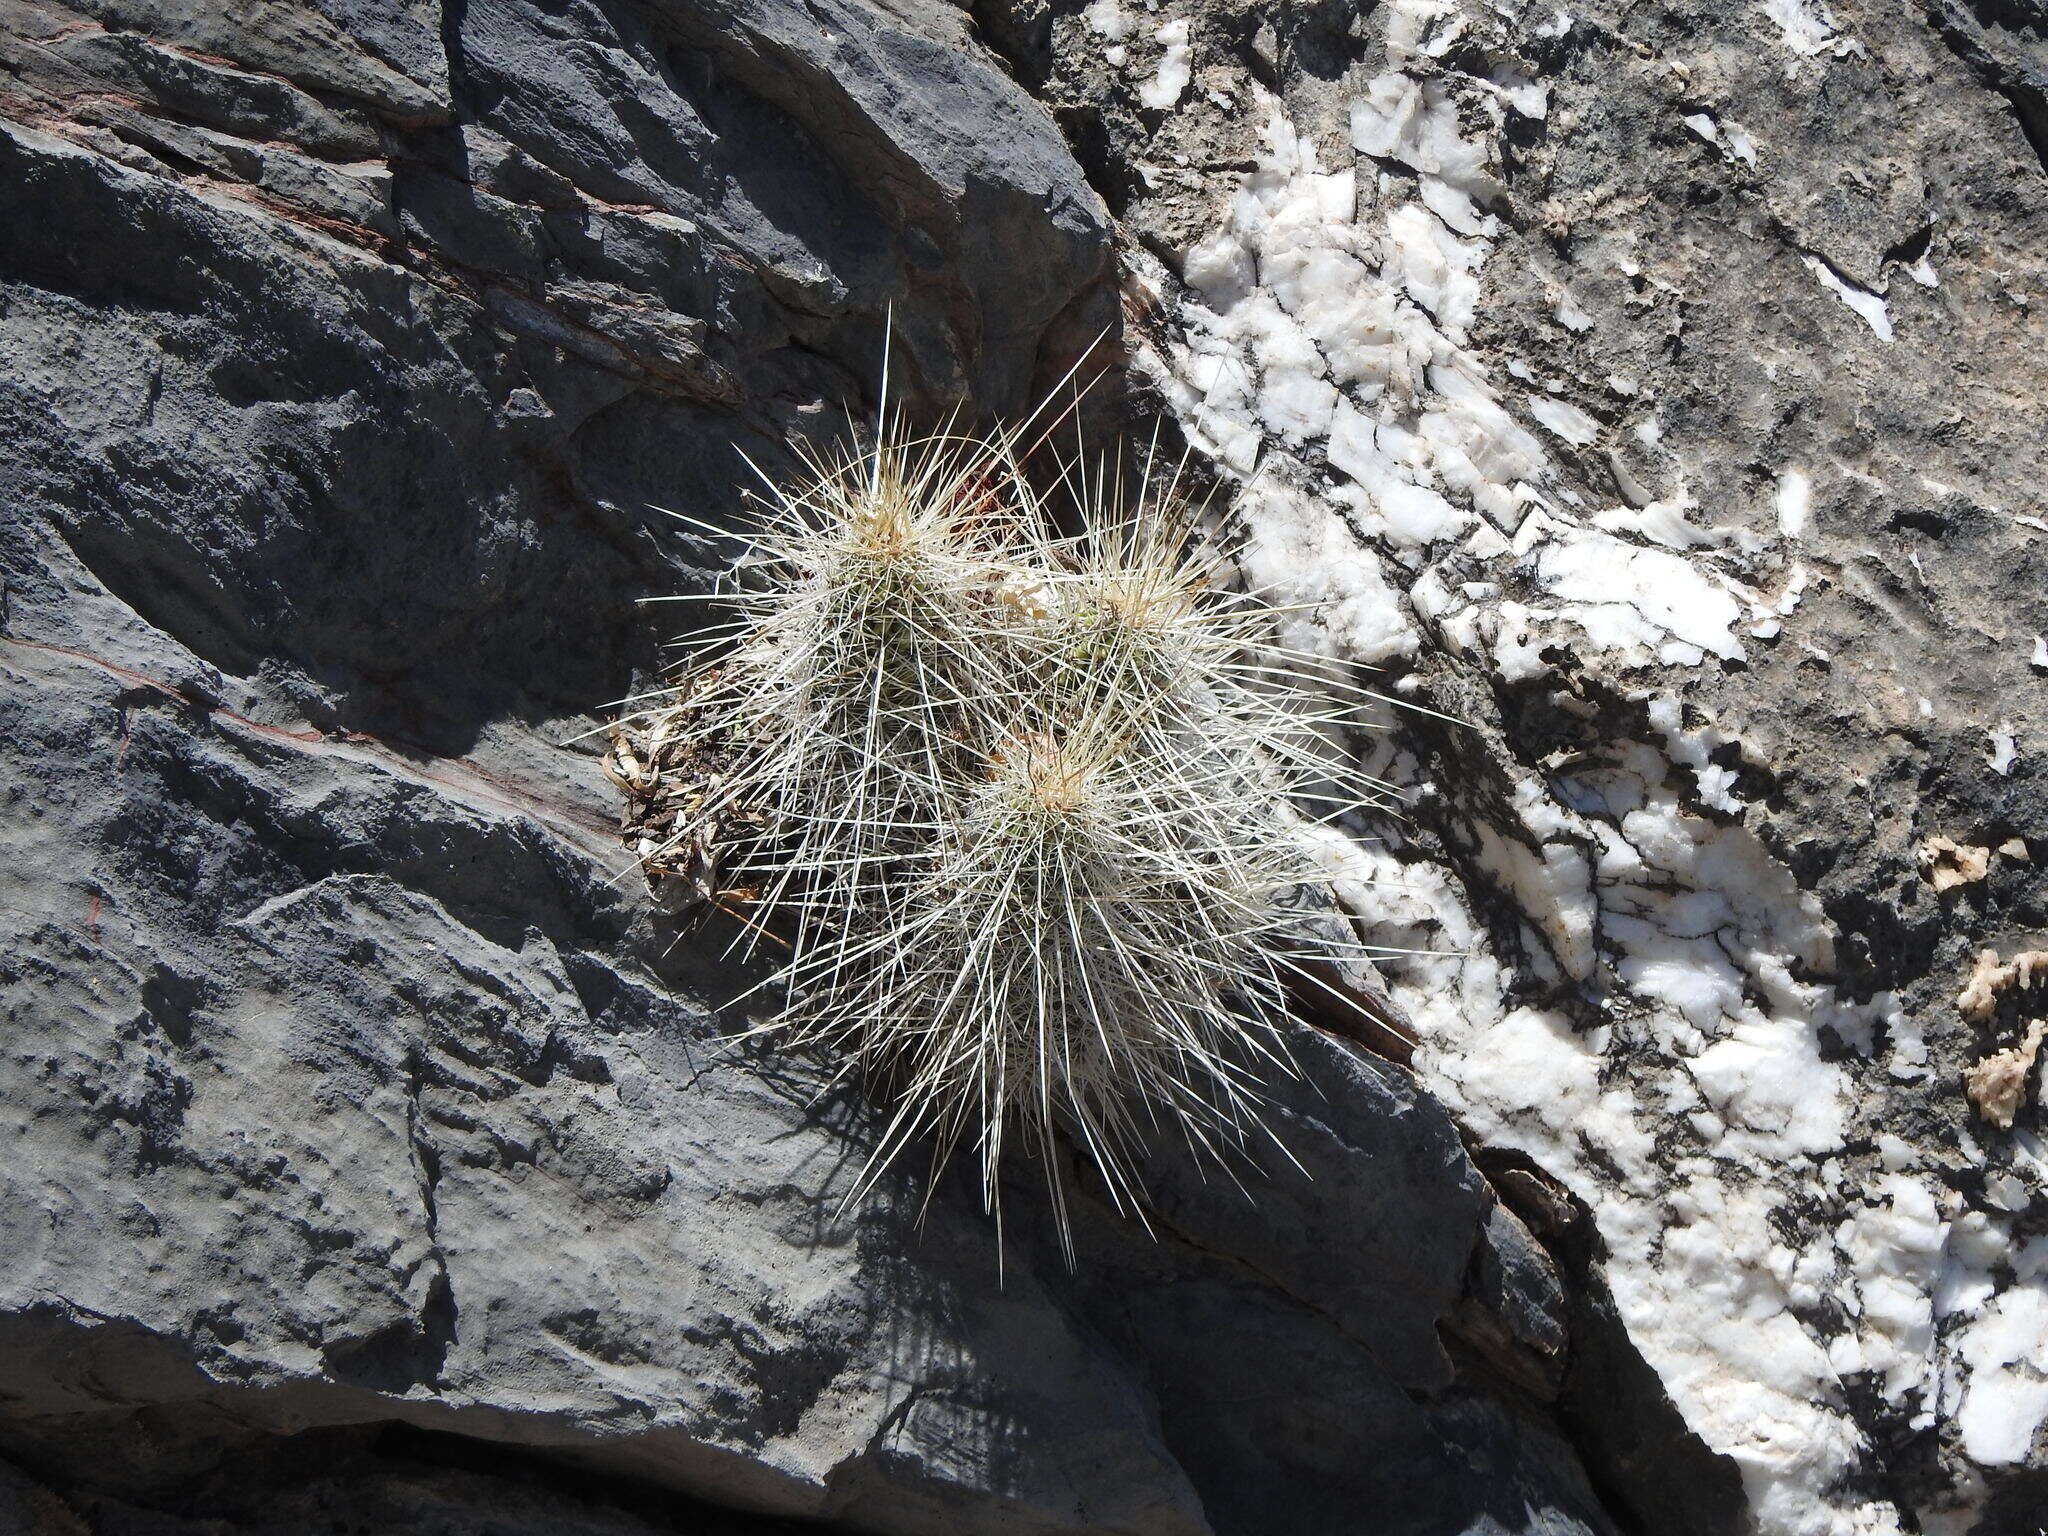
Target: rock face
1628,383
1656,389
374,1155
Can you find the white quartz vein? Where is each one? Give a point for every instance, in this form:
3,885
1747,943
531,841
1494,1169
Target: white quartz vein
1323,359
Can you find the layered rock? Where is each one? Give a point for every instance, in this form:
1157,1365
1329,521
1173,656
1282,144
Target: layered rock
377,1153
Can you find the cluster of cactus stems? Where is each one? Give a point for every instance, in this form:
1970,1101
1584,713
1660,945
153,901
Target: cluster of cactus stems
1020,814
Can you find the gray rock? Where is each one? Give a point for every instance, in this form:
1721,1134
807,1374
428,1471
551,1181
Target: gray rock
181,86
386,54
1763,285
357,1104
205,1475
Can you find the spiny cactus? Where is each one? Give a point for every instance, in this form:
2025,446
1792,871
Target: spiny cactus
1022,808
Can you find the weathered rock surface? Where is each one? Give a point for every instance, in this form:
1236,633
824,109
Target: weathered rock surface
1659,389
372,1155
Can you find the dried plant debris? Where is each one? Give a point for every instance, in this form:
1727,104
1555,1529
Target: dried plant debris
1947,863
1991,976
1997,1085
669,778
